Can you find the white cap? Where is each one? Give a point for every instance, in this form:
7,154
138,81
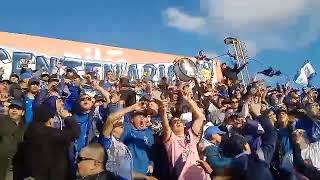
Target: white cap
187,117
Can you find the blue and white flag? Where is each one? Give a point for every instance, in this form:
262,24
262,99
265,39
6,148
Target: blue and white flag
306,72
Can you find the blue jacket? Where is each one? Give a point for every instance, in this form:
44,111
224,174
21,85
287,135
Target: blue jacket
31,104
139,143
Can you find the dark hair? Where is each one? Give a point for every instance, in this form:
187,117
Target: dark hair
233,145
124,82
43,114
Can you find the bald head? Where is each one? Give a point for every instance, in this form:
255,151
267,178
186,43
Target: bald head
94,151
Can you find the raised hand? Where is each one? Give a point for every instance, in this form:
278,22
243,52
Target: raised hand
255,105
63,113
140,106
95,84
164,106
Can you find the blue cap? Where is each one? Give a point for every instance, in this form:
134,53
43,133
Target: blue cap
33,79
26,75
16,103
211,131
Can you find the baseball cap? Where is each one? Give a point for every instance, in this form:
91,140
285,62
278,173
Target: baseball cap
33,80
186,117
211,131
26,75
15,103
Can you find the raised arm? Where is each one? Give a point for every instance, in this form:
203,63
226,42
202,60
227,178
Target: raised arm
165,122
105,94
108,126
199,116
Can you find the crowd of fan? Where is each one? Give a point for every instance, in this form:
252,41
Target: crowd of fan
64,127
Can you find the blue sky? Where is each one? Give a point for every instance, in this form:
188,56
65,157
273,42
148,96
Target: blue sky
281,35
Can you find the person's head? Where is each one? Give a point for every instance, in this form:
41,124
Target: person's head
115,97
271,115
177,126
33,85
44,115
109,75
138,120
293,97
233,145
124,82
223,66
313,110
14,78
213,134
299,136
234,103
264,107
237,93
91,160
16,110
86,102
54,103
45,77
5,85
152,107
99,100
282,116
76,79
69,73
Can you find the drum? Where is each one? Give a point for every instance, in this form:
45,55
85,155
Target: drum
185,69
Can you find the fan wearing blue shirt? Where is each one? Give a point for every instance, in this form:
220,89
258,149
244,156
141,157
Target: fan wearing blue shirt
137,137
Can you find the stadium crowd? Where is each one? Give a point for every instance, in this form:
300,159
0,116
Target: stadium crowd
55,127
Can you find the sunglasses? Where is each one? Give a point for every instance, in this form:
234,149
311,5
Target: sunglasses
79,159
85,99
234,102
35,83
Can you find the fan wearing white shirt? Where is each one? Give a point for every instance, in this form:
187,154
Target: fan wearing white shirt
309,151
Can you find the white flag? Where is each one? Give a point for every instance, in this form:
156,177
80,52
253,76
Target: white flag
305,72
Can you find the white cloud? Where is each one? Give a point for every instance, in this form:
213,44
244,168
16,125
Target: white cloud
183,21
262,24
